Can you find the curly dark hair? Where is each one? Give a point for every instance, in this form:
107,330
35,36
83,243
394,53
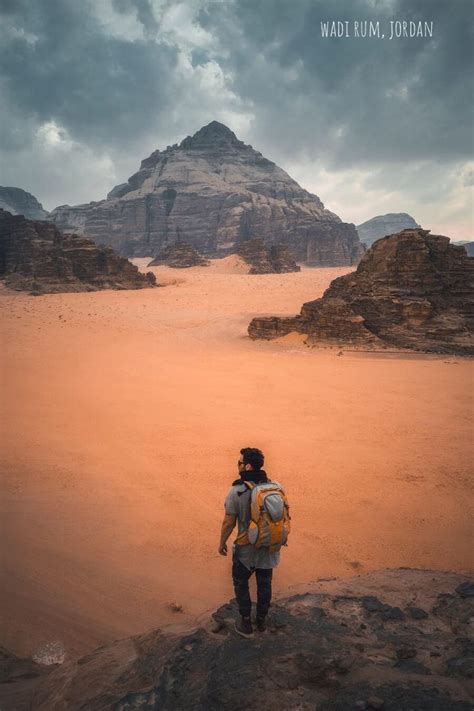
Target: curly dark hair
253,456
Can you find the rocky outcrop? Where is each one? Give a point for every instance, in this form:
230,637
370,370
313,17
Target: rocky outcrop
19,202
411,290
282,259
213,192
36,257
383,225
391,640
267,260
179,256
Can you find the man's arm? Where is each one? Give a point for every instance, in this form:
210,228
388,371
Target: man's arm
228,525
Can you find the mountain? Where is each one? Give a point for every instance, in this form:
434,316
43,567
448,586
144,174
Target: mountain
36,257
18,202
411,290
383,225
213,192
468,246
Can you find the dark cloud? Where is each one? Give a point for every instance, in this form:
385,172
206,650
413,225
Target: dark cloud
352,100
58,63
143,12
88,88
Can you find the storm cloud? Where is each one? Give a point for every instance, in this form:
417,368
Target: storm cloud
370,125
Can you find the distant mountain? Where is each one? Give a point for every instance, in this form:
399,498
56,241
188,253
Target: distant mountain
213,192
18,202
384,225
468,246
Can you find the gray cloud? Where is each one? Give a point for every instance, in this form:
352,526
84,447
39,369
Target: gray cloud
352,100
88,89
58,63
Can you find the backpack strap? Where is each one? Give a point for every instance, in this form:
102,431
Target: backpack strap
249,486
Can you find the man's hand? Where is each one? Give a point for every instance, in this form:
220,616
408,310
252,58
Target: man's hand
227,527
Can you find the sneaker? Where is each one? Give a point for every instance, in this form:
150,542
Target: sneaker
244,627
261,624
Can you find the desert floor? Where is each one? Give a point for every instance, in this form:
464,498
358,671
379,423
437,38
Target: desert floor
124,413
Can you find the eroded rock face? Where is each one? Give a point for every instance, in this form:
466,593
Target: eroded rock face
411,290
213,192
276,259
179,256
36,257
337,645
19,202
384,225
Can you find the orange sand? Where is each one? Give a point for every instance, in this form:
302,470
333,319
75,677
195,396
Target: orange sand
124,414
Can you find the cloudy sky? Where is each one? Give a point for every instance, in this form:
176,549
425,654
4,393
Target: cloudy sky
90,87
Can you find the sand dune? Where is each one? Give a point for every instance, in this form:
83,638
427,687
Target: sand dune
124,413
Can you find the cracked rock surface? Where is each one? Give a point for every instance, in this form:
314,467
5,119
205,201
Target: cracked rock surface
331,646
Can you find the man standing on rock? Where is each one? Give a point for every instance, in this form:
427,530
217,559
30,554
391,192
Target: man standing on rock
261,509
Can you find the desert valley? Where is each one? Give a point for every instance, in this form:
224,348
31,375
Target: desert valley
130,389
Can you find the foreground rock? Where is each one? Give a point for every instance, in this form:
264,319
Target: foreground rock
213,192
276,259
36,257
393,640
411,290
179,256
383,225
19,202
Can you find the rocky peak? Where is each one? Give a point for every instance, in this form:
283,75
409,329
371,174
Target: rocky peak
383,225
214,135
213,192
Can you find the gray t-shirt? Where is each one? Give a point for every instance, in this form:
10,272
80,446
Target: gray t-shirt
237,503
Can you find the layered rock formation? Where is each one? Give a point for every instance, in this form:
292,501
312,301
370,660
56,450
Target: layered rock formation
36,257
391,640
213,192
267,260
384,225
179,256
411,290
19,202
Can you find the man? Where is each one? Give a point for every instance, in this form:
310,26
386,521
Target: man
247,559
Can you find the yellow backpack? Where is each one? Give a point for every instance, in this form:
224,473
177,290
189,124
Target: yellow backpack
269,517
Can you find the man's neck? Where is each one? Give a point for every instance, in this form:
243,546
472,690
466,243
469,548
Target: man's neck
254,475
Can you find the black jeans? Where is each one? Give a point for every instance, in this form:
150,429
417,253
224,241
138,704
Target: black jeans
240,578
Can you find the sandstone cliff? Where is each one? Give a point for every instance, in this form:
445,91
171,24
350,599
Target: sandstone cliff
410,290
213,191
36,257
384,225
276,259
19,202
179,256
392,640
